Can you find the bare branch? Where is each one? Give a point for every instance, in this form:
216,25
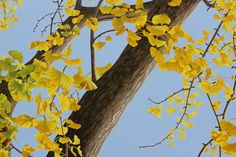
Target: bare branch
204,146
158,103
99,35
93,64
180,120
20,152
212,39
230,99
59,5
208,4
42,18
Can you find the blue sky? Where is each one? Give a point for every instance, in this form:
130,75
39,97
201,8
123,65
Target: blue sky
136,127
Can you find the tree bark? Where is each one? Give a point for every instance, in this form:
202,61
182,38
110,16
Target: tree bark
102,108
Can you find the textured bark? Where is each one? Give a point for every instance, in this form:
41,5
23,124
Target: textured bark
102,108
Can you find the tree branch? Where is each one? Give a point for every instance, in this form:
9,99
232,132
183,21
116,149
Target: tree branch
179,121
102,108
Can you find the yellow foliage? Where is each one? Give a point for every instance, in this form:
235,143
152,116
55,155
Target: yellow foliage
174,3
161,19
98,45
72,124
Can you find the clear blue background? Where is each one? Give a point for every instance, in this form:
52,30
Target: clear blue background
136,127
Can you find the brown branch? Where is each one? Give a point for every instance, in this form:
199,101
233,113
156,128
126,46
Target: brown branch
42,18
212,39
180,120
46,27
20,152
213,109
167,98
93,59
92,56
204,146
230,99
54,15
234,44
99,35
59,5
208,4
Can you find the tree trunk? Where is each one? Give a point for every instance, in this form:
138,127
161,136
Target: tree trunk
102,108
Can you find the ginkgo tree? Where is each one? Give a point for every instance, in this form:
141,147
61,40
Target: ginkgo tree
153,32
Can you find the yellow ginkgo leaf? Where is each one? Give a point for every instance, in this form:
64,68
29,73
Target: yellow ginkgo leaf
161,19
64,102
3,153
108,38
74,105
57,77
25,121
76,140
72,124
40,45
228,127
98,45
73,62
101,70
106,9
64,140
157,111
174,3
59,130
157,55
77,19
88,85
45,126
70,3
56,40
72,12
172,143
67,52
27,150
139,4
92,23
170,110
182,136
229,149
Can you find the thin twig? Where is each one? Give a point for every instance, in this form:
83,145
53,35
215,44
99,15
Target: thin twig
98,36
42,18
92,56
20,152
160,102
204,146
234,44
208,4
46,27
230,99
54,15
92,39
212,39
180,120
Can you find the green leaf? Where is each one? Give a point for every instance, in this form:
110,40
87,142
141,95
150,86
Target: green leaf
16,55
6,65
11,75
27,70
3,123
10,133
5,105
19,90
